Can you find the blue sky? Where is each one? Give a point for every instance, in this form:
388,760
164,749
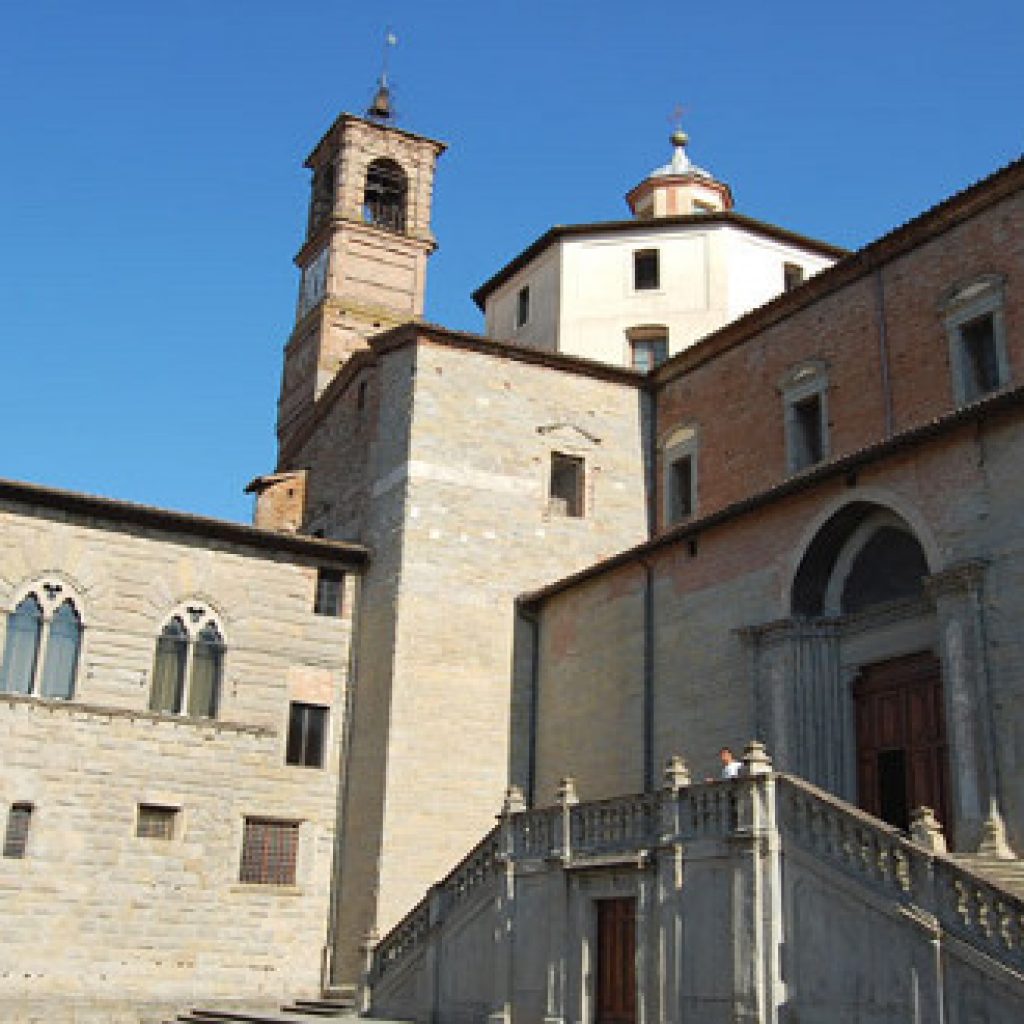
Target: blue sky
153,193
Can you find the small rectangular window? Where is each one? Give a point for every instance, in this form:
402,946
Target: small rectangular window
699,207
523,306
16,837
808,435
156,822
330,587
566,490
647,353
681,497
307,732
981,363
792,276
646,272
269,850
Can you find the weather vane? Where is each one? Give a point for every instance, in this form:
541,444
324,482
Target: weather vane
380,108
390,40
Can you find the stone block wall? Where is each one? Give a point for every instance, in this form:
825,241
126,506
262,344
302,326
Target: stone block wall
100,924
460,523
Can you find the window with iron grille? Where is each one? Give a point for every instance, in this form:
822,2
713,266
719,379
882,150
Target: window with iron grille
307,731
330,584
16,836
156,822
269,850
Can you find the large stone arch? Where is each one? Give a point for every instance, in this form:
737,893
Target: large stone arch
881,499
863,555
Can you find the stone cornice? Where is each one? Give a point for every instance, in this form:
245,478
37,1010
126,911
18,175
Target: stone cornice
19,497
13,700
1008,400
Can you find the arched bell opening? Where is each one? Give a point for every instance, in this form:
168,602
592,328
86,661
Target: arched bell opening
385,196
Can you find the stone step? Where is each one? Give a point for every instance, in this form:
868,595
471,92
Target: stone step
322,1007
300,1011
1006,874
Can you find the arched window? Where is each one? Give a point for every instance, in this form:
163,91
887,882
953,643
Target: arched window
188,665
21,650
385,195
43,643
62,648
169,668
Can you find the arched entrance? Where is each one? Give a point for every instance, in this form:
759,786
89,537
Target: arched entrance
864,572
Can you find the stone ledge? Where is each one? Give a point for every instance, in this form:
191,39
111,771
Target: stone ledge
133,714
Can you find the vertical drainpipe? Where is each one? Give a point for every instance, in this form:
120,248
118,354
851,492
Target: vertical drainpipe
532,616
648,672
649,423
649,446
883,351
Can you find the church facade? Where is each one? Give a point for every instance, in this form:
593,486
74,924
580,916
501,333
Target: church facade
702,480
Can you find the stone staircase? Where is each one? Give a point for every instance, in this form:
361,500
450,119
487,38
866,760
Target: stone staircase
1004,873
300,1011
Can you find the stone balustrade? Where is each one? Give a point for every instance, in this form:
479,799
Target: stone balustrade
708,820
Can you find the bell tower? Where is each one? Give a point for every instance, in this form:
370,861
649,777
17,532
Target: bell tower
363,264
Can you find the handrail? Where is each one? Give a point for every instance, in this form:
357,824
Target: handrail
475,868
860,846
956,898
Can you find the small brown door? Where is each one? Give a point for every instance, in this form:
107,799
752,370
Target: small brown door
616,962
901,740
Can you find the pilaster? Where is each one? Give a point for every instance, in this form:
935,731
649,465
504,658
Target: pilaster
959,609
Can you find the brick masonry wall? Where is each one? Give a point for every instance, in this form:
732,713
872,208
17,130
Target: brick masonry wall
96,920
745,451
961,494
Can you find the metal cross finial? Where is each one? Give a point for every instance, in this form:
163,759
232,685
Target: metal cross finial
676,117
390,40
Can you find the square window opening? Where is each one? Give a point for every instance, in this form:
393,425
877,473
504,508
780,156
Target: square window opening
330,589
646,270
681,497
307,734
269,851
647,353
980,358
523,306
792,276
566,487
156,821
808,434
19,818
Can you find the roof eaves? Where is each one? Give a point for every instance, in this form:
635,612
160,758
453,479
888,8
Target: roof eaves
205,527
998,402
932,222
720,217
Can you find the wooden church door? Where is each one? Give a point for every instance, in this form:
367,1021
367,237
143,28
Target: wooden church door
616,962
902,758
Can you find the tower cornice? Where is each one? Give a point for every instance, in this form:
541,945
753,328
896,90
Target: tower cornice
345,119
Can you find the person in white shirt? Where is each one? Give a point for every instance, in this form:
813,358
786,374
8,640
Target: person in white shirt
730,766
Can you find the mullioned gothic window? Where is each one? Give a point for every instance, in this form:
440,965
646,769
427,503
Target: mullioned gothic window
43,643
188,665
